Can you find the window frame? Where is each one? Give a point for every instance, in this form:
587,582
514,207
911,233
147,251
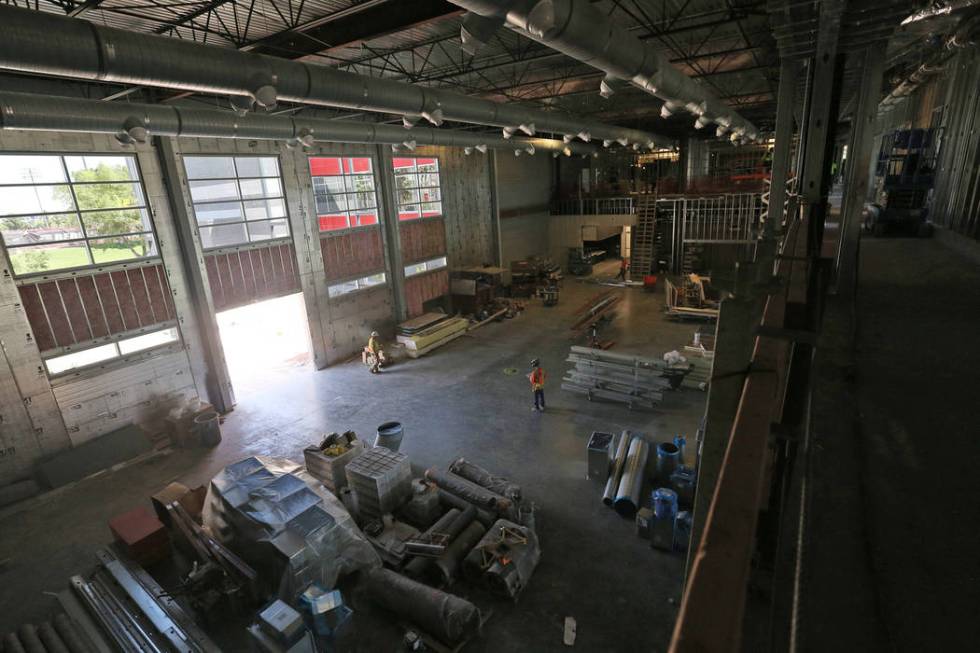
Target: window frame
60,354
241,200
418,187
360,285
143,206
346,212
429,265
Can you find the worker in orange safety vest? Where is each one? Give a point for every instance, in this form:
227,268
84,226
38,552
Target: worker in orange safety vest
537,378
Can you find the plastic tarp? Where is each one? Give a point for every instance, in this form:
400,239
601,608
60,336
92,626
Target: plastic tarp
284,523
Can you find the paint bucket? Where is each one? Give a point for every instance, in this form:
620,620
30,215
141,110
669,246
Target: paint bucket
389,436
208,429
668,458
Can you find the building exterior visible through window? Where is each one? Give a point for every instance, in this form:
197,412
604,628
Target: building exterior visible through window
425,266
112,351
417,191
344,192
237,199
354,285
62,212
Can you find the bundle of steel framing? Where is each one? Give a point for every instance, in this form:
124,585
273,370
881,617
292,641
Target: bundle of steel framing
632,380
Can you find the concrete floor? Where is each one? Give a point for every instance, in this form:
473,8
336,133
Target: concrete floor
918,373
455,402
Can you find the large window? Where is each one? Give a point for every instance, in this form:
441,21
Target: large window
237,199
417,188
103,353
343,189
353,285
59,212
425,266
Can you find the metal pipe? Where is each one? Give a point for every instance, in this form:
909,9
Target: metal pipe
11,644
449,618
485,517
29,639
628,495
583,31
136,122
41,43
52,642
617,469
483,478
478,496
417,566
445,565
70,635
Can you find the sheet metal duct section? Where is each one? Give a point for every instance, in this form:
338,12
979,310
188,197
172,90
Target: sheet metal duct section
46,44
137,122
582,31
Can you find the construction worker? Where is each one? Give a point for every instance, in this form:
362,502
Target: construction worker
624,265
374,353
537,378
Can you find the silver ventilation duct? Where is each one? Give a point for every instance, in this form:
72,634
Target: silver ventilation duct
582,31
137,122
45,44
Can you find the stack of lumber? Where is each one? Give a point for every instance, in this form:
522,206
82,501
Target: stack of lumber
632,380
597,307
430,331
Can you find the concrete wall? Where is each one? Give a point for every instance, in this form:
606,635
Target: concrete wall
523,196
38,419
467,204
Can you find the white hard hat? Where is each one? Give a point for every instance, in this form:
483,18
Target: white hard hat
374,334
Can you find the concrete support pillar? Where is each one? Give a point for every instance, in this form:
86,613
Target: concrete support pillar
859,159
305,233
788,74
390,235
496,245
734,339
208,366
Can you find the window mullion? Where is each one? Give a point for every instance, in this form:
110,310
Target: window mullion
78,210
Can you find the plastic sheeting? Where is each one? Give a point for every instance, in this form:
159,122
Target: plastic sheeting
285,524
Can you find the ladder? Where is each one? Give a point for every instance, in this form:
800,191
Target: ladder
642,253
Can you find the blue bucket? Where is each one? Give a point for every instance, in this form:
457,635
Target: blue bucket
668,458
664,502
680,442
662,525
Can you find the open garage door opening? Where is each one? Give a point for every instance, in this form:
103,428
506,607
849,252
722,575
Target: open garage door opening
265,342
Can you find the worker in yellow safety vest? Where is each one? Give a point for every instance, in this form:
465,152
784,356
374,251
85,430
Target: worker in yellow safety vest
374,353
537,378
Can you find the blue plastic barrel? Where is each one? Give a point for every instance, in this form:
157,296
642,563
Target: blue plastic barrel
389,436
668,458
662,525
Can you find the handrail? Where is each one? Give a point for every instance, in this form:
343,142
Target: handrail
594,206
713,605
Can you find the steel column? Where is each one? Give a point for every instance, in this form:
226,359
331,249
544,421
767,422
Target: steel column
218,380
859,159
788,73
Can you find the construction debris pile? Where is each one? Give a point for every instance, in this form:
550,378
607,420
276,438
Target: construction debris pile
621,466
275,551
528,274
